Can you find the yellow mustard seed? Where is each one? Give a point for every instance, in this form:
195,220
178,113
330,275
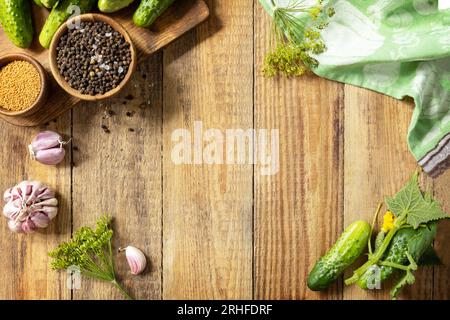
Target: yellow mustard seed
20,85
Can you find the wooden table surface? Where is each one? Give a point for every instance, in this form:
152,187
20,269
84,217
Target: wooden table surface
218,231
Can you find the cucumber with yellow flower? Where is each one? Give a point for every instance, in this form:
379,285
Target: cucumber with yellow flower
404,243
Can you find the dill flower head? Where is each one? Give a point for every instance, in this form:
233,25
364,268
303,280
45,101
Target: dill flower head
85,244
295,42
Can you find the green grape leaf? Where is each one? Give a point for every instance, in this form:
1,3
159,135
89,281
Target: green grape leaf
407,279
407,199
418,208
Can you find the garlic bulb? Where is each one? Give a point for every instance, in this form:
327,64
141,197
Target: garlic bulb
47,148
136,259
30,205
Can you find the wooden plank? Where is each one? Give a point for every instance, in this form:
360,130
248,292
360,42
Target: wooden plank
441,290
298,212
25,266
377,164
208,208
178,19
119,173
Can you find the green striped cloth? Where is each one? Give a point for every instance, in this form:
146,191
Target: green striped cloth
399,48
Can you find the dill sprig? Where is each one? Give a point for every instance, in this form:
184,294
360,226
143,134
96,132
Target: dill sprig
91,251
296,40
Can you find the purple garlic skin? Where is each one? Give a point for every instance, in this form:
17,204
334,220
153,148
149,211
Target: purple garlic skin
47,148
30,205
136,260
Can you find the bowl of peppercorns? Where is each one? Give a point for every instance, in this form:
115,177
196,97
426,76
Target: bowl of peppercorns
92,57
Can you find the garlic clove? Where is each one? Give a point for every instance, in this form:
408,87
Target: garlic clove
8,195
46,140
45,205
10,208
41,220
15,226
50,156
47,148
28,226
45,193
136,259
50,212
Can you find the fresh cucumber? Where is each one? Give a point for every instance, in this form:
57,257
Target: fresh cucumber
60,14
408,240
110,6
48,3
345,251
15,18
149,10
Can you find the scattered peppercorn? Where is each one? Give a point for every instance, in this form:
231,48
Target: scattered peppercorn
130,113
131,129
108,114
105,129
20,85
93,58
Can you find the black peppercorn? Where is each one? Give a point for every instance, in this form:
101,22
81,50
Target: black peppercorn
93,58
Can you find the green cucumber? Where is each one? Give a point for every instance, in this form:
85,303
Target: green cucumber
16,20
60,14
48,3
149,10
414,241
348,248
110,6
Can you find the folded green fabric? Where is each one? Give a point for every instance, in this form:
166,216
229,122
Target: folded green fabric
399,48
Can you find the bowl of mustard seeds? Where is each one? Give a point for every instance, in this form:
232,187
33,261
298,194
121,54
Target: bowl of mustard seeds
23,85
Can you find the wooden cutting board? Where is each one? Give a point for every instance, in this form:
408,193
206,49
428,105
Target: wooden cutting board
180,18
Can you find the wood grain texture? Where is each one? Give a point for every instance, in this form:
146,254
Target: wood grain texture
179,18
208,208
377,164
441,288
25,266
119,174
298,212
218,231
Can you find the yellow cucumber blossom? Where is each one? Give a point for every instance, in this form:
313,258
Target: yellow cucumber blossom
388,222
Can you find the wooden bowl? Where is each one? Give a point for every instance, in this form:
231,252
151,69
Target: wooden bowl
53,54
43,94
